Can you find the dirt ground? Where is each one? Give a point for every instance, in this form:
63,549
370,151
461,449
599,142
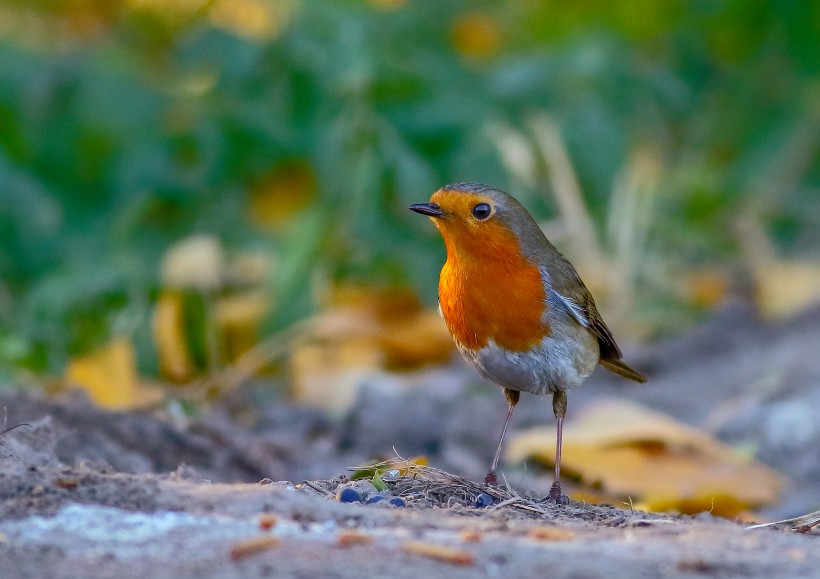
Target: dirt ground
90,493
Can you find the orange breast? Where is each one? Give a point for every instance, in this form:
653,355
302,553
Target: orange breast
489,291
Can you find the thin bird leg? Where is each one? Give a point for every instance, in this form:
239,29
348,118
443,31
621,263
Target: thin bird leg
512,399
559,407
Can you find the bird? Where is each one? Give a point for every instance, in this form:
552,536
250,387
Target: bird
516,307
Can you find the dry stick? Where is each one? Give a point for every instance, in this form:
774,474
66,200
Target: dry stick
780,175
505,503
567,190
629,217
248,364
429,480
792,161
516,153
6,421
806,522
317,488
262,354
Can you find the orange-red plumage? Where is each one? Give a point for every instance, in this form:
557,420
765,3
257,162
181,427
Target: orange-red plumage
516,307
476,306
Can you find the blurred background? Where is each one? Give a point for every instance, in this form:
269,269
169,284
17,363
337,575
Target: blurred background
197,192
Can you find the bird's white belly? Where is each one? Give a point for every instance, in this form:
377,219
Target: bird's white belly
553,365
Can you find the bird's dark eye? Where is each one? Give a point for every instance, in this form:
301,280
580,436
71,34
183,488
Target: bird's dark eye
482,211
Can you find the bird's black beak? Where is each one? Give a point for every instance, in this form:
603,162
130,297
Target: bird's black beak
429,209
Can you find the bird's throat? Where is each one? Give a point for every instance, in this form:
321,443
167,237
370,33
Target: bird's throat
491,292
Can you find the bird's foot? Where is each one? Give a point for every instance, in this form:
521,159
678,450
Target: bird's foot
491,479
555,495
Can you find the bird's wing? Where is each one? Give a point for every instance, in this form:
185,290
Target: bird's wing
573,296
586,314
568,291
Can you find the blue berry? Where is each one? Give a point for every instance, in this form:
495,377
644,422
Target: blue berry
484,500
349,496
398,502
374,499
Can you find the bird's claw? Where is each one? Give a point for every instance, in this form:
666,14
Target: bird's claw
491,479
556,496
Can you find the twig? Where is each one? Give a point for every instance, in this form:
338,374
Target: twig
567,190
803,523
505,503
6,421
316,488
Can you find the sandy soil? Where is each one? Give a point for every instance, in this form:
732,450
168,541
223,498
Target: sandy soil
90,493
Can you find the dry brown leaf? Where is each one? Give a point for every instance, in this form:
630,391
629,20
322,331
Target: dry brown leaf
361,336
628,451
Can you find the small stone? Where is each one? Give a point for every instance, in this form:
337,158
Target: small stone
398,502
484,500
374,499
348,495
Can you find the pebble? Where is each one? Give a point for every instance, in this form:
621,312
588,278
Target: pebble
398,502
484,500
349,496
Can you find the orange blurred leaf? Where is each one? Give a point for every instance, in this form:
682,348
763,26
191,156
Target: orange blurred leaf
707,287
626,450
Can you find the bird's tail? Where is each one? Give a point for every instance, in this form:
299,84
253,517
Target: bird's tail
621,368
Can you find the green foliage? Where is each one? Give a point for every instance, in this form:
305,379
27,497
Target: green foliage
121,137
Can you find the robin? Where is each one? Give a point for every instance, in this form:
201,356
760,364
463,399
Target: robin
517,309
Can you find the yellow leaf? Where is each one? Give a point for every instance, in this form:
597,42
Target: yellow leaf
281,193
329,376
476,35
785,288
170,338
420,460
628,451
254,19
108,374
238,317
